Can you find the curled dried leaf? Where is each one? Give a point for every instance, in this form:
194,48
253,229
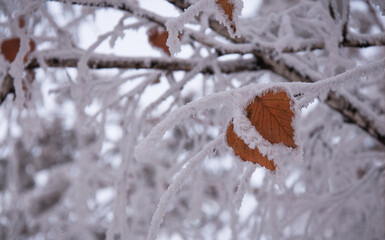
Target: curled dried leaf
159,39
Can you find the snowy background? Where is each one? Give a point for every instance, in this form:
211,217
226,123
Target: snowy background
124,153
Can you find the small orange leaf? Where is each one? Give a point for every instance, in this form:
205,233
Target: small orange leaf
159,39
10,48
228,8
271,115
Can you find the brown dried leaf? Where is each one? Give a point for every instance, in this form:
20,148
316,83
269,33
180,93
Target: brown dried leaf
159,40
228,8
10,48
271,115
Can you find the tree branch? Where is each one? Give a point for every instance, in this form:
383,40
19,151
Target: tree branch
364,40
130,8
348,110
172,64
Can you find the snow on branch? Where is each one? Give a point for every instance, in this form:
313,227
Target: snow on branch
364,40
177,183
379,4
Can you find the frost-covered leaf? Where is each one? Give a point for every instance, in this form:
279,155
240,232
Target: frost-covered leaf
228,7
272,117
244,152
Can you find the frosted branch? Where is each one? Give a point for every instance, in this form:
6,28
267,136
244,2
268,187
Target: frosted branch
176,185
364,40
127,7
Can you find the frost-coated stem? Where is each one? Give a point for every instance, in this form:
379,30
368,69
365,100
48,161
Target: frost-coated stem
250,168
176,185
348,77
